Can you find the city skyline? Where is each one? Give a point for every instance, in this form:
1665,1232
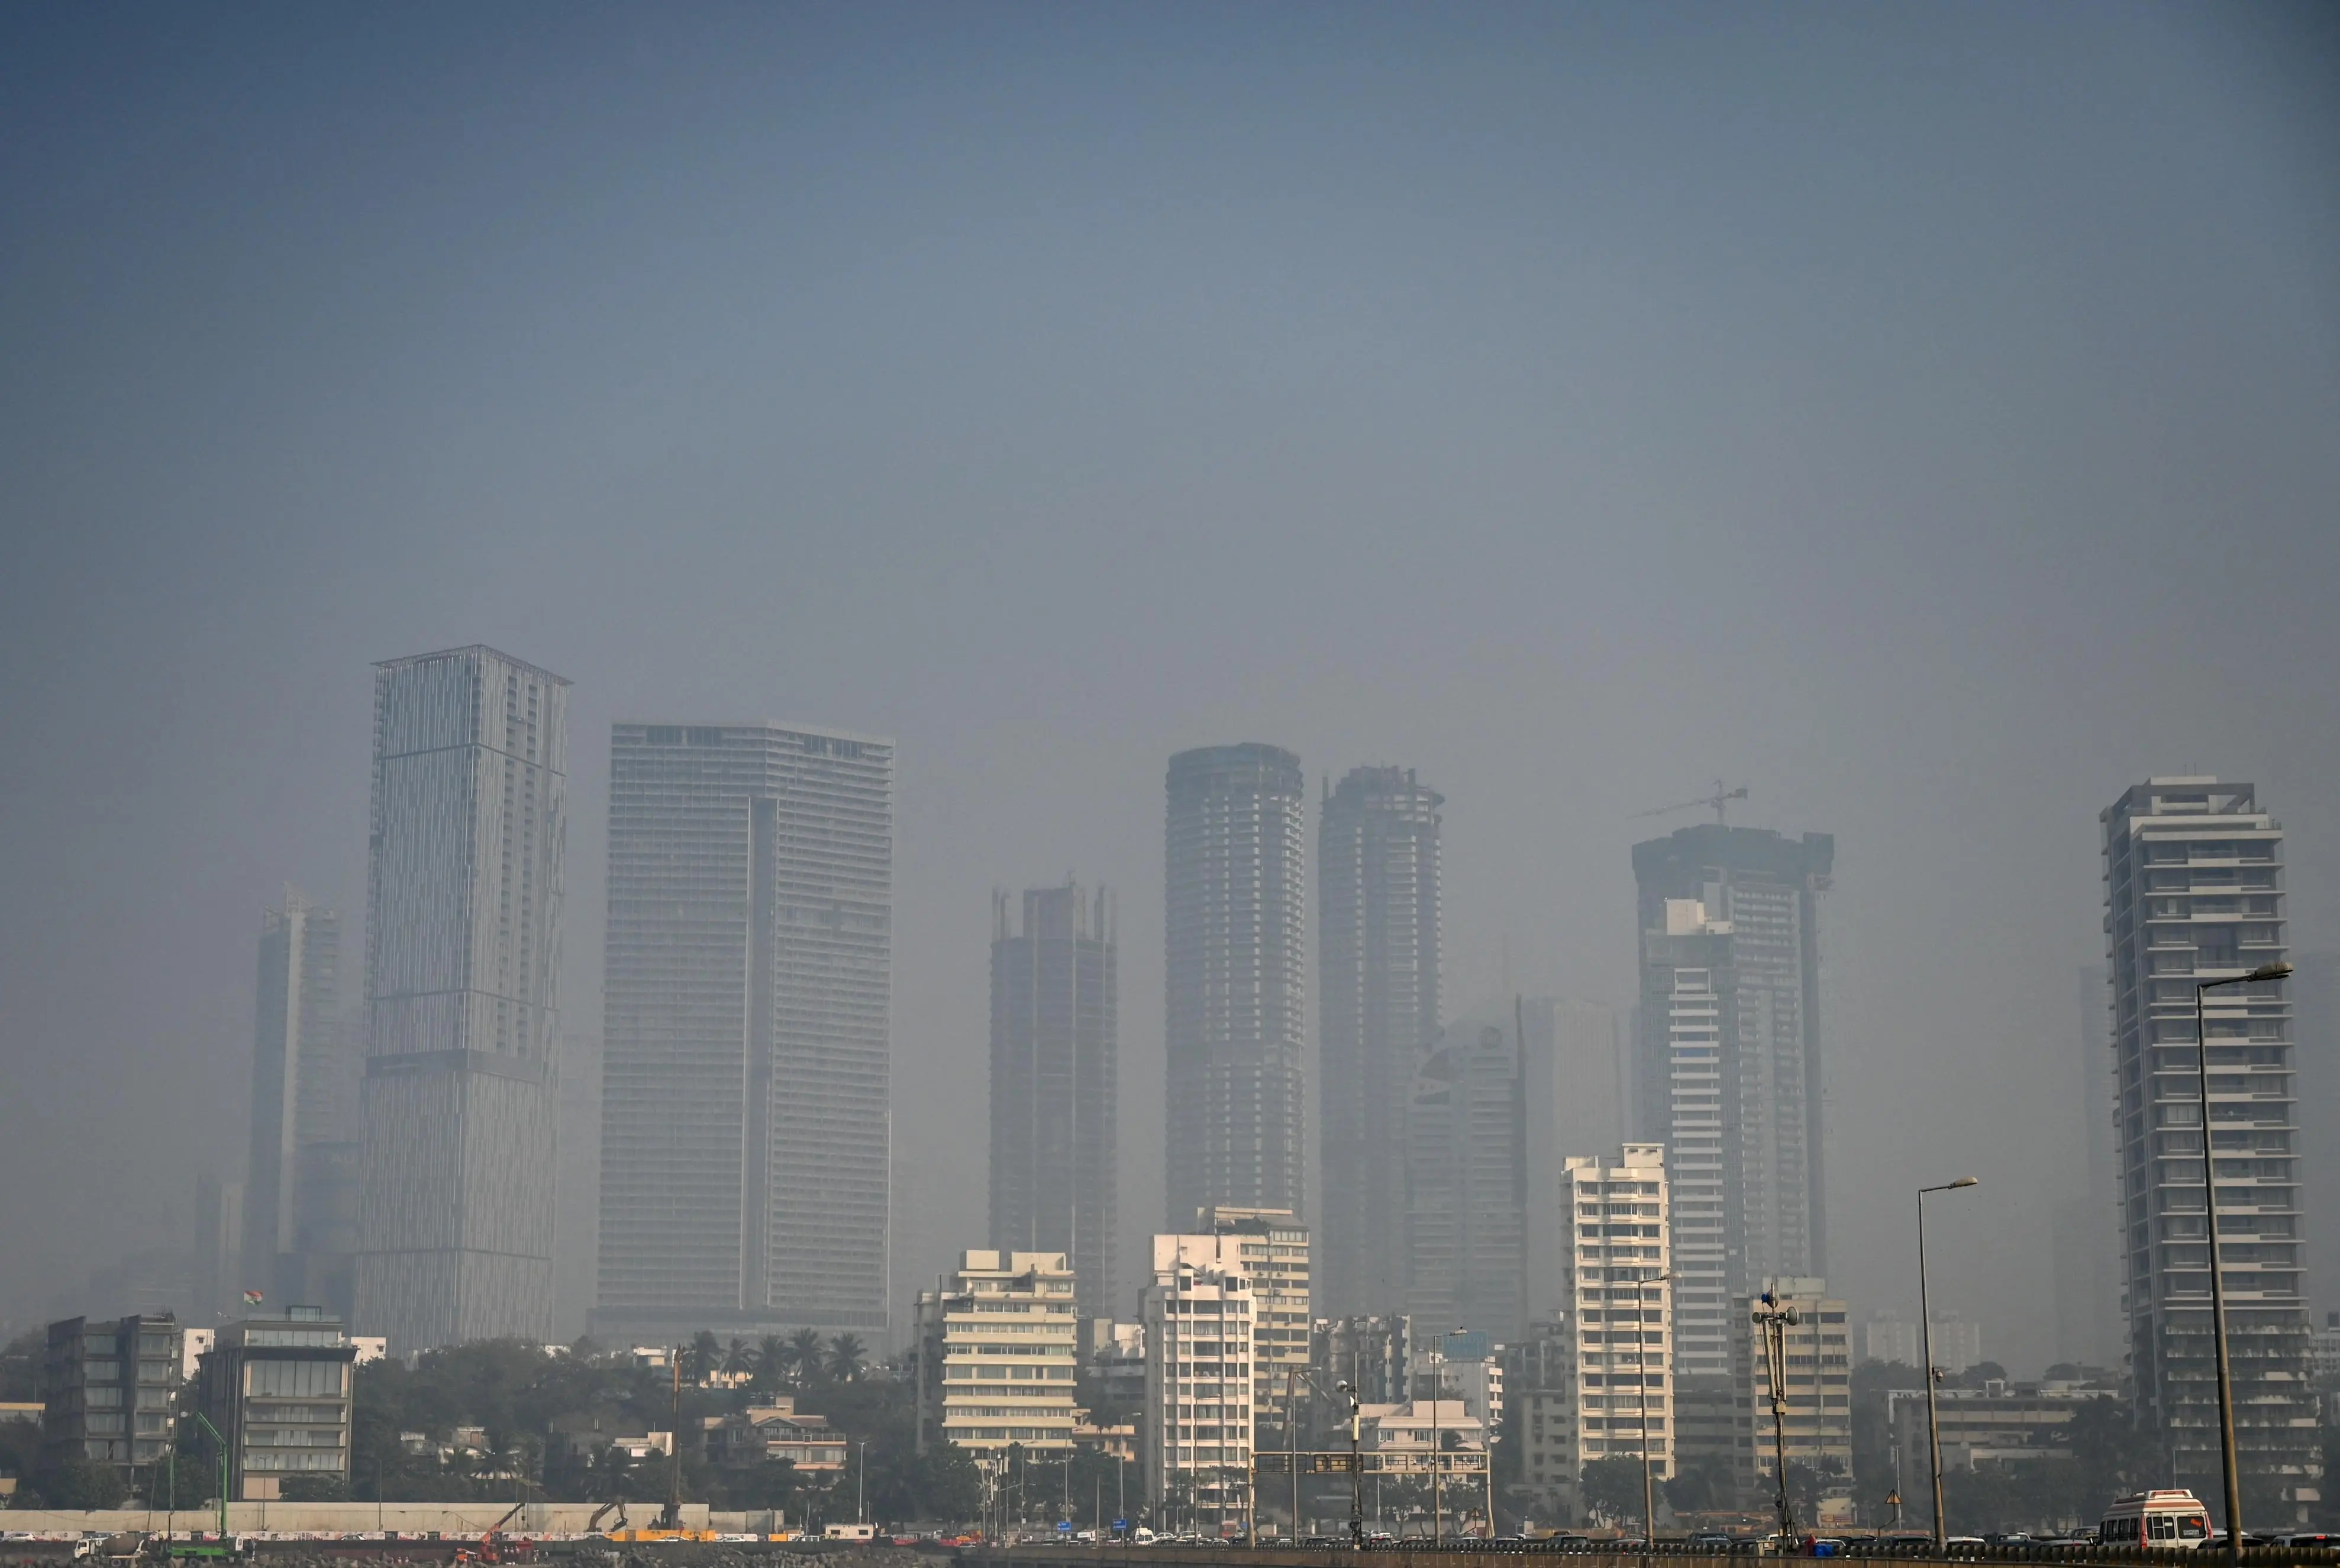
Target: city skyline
1919,417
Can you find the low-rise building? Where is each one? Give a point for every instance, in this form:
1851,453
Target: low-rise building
1815,1393
997,1353
278,1391
1199,1365
764,1433
109,1387
2001,1422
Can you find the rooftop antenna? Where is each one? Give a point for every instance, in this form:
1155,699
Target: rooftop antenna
1719,802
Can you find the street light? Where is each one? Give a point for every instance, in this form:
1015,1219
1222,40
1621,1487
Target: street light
1926,1327
2275,971
1642,1362
1772,1319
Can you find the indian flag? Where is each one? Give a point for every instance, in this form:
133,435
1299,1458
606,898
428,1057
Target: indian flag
252,1298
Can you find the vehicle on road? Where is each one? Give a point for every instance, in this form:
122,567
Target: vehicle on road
2170,1519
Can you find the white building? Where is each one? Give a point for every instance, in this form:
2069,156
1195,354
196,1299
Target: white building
1614,1352
469,815
1197,1431
1270,1248
998,1351
1889,1336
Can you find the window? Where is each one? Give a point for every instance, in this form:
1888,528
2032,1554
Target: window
292,1379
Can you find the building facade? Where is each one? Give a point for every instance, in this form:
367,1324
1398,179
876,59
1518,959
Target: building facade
1377,979
1196,1435
2194,891
1816,1394
302,1177
746,1143
997,1353
464,893
1889,1336
1234,979
1728,1063
1375,1355
1608,1377
278,1390
1571,1078
1269,1249
1055,1085
1466,1209
108,1389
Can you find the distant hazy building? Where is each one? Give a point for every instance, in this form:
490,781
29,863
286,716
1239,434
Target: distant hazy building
2194,891
1374,1355
278,1390
2316,1006
1055,1085
1571,1074
300,1230
1889,1337
2086,1226
1196,1435
462,954
1466,1211
1234,979
1729,1063
997,1353
108,1389
746,1147
1377,885
215,1261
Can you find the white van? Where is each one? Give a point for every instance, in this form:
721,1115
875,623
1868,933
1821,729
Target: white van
2170,1520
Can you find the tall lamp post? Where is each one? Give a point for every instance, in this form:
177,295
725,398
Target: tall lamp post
2233,1477
1926,1327
1772,1319
1642,1361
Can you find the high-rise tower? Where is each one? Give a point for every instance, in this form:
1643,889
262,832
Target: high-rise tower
2194,891
301,1179
1465,1168
1235,977
462,951
1377,985
746,1150
1055,1156
1729,1064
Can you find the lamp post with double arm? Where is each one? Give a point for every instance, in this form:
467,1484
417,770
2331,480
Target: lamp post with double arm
1926,1327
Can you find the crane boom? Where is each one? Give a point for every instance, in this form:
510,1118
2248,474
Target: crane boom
1718,802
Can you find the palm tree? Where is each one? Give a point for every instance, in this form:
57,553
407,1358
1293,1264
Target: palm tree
737,1359
846,1355
804,1355
704,1354
771,1361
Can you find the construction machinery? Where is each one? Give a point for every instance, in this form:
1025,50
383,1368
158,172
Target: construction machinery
593,1526
1719,803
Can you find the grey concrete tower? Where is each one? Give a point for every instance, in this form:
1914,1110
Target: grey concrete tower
1728,1065
1056,1157
462,953
1234,979
1377,932
300,1182
2194,891
745,1060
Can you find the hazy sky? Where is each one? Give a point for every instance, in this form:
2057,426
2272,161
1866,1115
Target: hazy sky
1928,416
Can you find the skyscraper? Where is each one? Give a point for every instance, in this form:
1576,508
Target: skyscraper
1377,984
463,954
2194,891
1729,1064
1571,1077
1234,980
746,1149
302,1177
1055,1156
1465,1166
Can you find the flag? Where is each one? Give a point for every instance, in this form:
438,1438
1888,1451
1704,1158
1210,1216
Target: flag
252,1298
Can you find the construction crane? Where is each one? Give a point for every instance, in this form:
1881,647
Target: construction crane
1718,802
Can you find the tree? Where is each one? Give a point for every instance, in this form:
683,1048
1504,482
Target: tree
314,1489
2112,1455
739,1358
79,1483
846,1355
804,1356
771,1364
1703,1487
704,1355
1613,1490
